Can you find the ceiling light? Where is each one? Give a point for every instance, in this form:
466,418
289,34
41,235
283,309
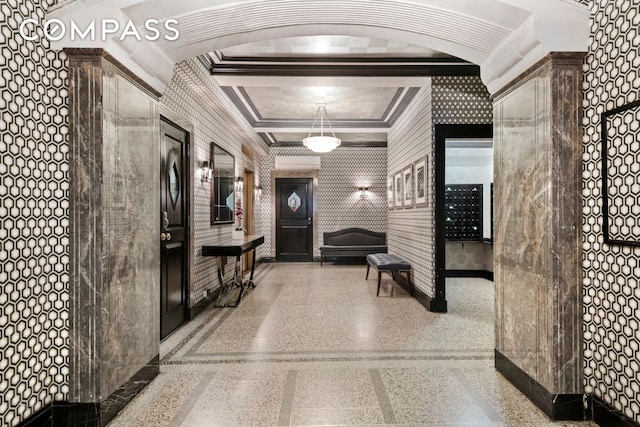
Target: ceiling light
321,143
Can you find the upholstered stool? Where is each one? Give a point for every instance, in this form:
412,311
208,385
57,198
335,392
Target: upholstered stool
389,263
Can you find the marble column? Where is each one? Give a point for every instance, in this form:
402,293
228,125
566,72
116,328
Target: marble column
538,233
114,229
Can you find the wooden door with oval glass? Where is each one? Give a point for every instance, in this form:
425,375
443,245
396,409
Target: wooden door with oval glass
294,219
173,227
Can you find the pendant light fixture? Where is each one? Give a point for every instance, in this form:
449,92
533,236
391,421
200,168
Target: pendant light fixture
321,143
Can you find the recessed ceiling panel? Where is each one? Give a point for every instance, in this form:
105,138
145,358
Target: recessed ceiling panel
302,102
345,137
335,46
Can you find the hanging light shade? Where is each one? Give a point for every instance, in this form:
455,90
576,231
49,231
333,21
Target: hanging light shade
321,143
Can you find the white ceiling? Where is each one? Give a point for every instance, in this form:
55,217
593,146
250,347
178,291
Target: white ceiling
503,37
336,46
302,102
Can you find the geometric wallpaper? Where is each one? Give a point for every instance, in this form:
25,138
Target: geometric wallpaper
443,100
623,167
34,218
611,272
341,173
461,100
194,97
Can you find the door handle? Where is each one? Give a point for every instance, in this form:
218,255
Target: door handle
165,220
163,237
168,236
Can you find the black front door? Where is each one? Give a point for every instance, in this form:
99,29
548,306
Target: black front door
294,219
173,227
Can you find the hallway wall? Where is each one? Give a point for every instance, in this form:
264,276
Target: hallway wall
34,219
444,100
611,293
341,173
195,97
411,231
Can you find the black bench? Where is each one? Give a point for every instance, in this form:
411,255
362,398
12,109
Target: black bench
389,263
352,242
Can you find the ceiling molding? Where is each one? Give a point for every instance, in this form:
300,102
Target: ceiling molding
401,105
348,69
505,37
266,127
219,58
344,144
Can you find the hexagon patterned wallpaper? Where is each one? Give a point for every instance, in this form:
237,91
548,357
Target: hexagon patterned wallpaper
611,291
342,172
33,218
623,166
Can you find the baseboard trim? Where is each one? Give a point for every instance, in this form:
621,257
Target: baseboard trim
429,303
606,416
96,414
43,417
558,407
203,303
483,274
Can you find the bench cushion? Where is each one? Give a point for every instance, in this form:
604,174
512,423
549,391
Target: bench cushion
388,262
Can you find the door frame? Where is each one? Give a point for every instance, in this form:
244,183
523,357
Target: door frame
313,175
249,200
441,133
173,118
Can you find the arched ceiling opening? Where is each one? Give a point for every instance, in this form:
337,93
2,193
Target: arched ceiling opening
503,37
250,49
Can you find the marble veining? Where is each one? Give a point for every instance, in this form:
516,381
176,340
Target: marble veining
537,206
115,263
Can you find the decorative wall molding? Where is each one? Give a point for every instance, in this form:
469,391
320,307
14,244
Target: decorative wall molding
504,39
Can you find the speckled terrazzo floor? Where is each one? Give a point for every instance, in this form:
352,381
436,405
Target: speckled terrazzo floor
313,345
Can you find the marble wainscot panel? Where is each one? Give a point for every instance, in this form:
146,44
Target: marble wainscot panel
115,259
538,159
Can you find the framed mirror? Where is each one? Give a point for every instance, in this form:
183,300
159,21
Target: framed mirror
222,188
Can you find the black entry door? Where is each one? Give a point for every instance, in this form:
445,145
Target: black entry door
294,219
173,227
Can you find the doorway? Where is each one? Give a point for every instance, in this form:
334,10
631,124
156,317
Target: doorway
248,198
442,134
294,219
174,204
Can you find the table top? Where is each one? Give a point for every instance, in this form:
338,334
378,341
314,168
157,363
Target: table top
229,246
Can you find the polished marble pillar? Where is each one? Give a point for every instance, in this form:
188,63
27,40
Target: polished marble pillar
114,235
538,233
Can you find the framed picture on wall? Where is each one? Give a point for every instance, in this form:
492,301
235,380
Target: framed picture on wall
397,190
407,183
390,192
420,182
620,170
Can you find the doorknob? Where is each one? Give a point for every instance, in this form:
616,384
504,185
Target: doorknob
168,236
165,220
163,237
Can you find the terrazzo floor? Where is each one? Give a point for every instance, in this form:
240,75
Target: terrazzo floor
313,345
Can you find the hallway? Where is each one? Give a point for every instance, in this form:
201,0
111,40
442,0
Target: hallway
313,345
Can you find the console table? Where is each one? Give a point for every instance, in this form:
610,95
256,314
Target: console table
233,247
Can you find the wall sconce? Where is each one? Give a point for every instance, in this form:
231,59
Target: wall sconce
258,191
239,183
205,172
363,192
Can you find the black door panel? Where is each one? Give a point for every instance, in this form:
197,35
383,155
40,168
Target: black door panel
294,219
173,226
